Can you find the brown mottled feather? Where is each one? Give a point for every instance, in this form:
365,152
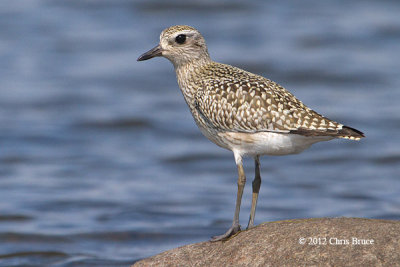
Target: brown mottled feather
235,100
228,99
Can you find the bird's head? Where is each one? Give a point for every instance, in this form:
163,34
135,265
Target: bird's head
181,45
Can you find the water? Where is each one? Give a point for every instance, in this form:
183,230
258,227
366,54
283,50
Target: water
101,163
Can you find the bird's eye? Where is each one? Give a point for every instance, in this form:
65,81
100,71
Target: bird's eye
180,39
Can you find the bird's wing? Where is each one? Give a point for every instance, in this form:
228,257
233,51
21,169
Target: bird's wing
245,102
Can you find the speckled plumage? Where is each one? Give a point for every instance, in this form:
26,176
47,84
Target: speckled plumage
235,100
230,99
241,111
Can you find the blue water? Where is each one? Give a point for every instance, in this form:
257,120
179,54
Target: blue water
101,163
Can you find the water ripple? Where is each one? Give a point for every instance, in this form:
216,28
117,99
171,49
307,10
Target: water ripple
101,163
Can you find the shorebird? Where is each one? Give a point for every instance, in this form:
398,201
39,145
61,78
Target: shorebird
241,111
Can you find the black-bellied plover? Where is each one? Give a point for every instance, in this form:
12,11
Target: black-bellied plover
241,111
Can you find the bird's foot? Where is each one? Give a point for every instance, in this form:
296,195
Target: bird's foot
249,227
233,230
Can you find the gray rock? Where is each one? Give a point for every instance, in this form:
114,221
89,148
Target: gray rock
327,242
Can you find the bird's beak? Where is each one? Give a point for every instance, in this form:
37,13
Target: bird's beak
155,52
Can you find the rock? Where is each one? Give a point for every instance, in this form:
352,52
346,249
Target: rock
324,242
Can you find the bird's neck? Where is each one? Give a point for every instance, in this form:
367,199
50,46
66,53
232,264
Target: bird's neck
189,77
185,67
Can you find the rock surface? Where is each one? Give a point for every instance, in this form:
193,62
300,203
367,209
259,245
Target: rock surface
327,242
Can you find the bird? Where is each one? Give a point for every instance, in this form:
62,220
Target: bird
248,114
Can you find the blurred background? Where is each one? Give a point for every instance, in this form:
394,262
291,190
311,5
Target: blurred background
101,163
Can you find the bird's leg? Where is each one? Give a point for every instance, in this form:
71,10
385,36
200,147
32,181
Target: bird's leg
256,189
235,224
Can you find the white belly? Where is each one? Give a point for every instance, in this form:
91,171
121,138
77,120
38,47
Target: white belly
266,143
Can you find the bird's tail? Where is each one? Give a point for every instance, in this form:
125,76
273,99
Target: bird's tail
350,133
344,132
